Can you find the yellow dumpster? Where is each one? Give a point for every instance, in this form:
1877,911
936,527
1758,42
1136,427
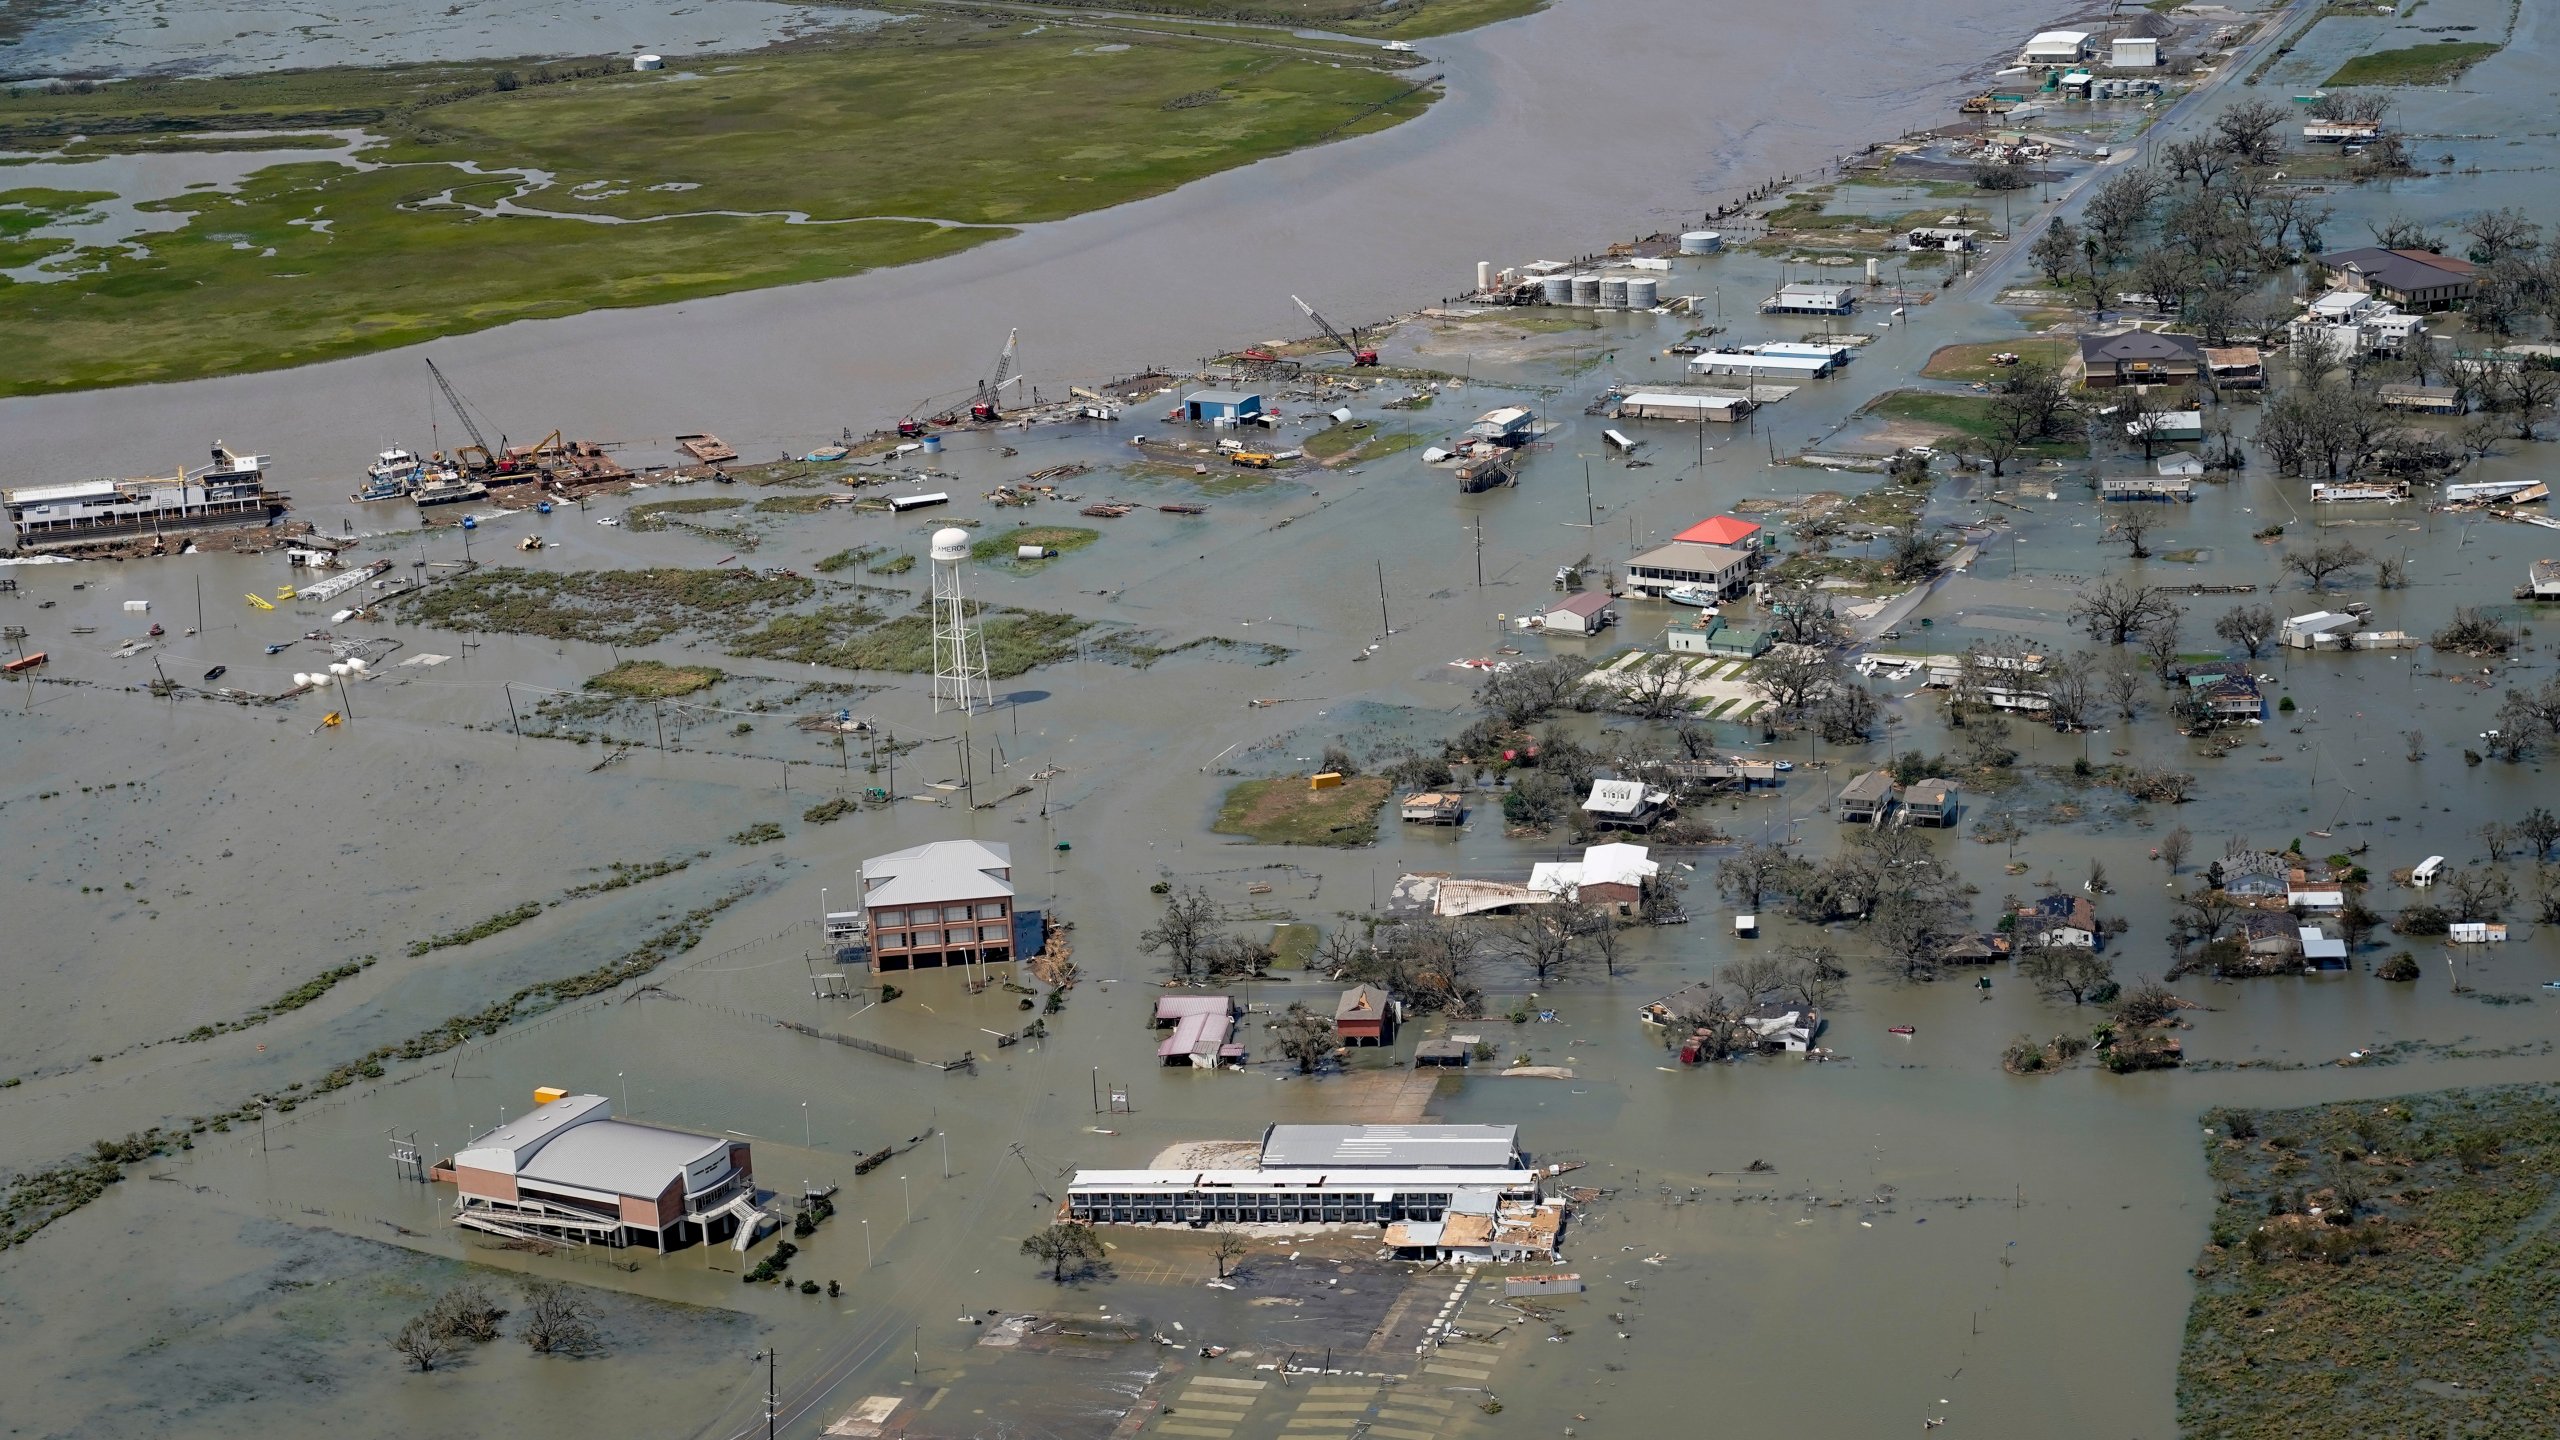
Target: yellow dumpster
1325,780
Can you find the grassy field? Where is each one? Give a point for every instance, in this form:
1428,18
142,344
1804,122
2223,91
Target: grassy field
1286,812
1061,538
2416,65
605,607
654,679
1964,415
2418,1301
1293,944
953,125
1379,447
1336,439
852,638
1970,361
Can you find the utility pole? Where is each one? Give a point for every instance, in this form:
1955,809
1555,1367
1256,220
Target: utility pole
1385,628
770,1409
1589,515
512,722
1479,552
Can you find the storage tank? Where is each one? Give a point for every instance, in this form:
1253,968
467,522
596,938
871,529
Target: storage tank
1484,275
1613,292
933,444
1701,242
1875,271
1556,289
1586,289
1032,552
1642,292
648,62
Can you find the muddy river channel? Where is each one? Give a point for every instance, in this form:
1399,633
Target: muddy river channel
1844,1248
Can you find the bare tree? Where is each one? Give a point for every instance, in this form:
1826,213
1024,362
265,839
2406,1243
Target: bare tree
2498,234
2251,629
2059,971
467,1312
422,1344
2477,894
2206,912
1548,939
1303,1036
2327,558
1184,933
2248,131
2391,572
2124,690
2133,525
1750,875
2115,610
2174,848
1792,679
2497,837
2540,829
556,1320
2161,642
2070,686
1061,1245
1227,1245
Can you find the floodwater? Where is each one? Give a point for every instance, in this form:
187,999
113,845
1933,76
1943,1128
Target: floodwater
160,37
2009,1253
1560,131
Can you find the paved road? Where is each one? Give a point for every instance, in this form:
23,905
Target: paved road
2002,264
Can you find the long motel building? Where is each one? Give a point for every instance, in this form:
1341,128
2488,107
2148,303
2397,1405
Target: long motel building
1424,1183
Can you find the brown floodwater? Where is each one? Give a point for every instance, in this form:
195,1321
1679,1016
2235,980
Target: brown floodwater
1931,1237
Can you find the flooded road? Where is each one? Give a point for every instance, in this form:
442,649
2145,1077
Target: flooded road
1929,1237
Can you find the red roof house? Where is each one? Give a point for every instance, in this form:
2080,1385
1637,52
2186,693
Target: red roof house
1722,530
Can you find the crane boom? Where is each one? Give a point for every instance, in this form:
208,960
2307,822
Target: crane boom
1360,354
1004,363
480,444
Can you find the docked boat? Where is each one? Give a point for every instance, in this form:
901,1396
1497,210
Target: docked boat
446,486
1690,595
393,474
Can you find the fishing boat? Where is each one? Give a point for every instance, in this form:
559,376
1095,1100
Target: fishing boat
445,485
216,673
393,474
1901,1030
1690,595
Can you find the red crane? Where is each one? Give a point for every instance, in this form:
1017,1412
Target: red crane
1360,354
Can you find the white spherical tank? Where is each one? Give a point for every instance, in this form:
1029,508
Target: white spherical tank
951,544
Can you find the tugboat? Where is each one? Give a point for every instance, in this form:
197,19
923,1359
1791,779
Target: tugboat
446,486
392,476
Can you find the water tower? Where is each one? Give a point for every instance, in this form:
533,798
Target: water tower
959,651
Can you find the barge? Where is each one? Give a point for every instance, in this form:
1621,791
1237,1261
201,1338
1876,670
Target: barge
228,493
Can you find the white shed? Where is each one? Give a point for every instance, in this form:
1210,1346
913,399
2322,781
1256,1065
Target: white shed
2057,47
2134,52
